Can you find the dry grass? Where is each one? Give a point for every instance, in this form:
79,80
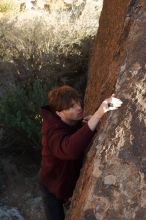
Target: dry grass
42,44
50,34
8,5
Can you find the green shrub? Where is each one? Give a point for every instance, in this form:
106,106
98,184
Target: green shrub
19,113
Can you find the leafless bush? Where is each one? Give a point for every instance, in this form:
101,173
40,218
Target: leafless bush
47,47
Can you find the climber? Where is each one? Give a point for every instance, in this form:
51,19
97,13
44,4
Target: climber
65,135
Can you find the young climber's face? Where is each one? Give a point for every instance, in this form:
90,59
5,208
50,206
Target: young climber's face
73,114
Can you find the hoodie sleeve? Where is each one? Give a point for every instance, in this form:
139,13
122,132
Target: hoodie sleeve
68,147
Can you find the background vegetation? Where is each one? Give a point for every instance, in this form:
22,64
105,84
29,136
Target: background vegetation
37,52
7,5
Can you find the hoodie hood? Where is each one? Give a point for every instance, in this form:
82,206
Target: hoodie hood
44,111
48,116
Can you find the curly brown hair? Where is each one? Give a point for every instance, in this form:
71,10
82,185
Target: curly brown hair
61,98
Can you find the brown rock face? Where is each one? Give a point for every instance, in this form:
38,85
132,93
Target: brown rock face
112,184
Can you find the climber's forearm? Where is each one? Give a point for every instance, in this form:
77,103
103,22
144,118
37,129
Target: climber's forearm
92,123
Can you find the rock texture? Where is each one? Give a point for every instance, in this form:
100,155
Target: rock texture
112,185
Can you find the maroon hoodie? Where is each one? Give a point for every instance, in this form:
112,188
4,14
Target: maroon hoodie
62,151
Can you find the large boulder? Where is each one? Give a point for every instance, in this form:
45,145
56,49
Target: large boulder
112,184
